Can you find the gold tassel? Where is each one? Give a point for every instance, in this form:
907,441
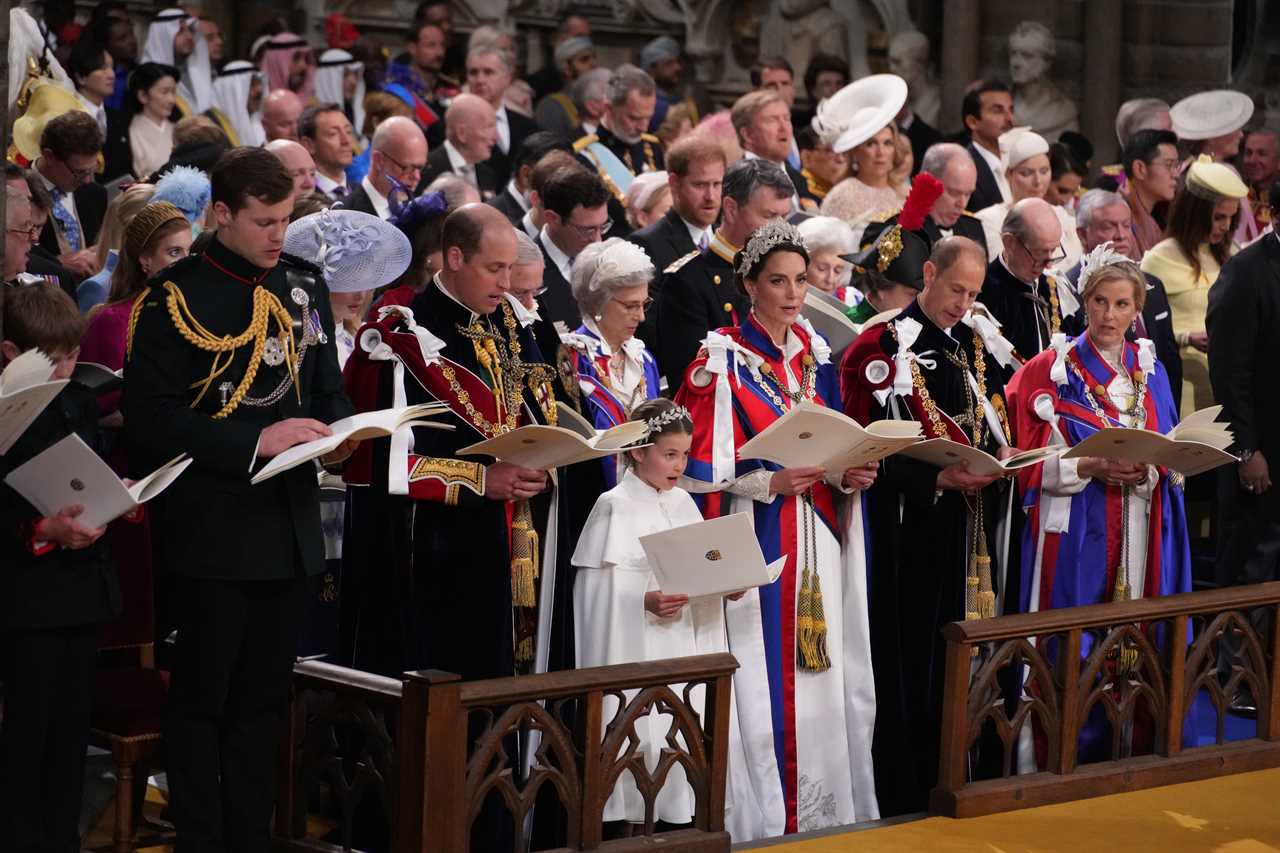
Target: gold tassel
524,653
804,621
1121,592
986,593
819,662
524,556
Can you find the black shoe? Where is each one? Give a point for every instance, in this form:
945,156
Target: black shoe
1242,705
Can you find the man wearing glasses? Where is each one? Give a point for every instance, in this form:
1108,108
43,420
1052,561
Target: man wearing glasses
399,156
1150,161
575,214
17,231
1029,305
69,149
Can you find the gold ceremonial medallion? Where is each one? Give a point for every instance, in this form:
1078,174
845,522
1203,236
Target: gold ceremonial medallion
713,554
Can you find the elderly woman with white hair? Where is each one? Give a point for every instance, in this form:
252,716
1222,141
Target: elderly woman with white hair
1025,156
827,238
616,372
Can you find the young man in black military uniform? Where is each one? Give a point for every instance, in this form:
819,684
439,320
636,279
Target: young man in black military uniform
698,293
231,360
623,131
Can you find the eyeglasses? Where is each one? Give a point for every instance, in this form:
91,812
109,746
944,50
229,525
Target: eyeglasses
403,167
79,175
634,307
31,232
1058,256
586,232
1167,165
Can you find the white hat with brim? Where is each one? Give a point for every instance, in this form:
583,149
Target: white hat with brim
860,110
1208,115
358,251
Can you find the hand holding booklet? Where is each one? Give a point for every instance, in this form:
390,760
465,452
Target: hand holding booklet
70,473
542,447
355,428
944,453
809,434
1195,445
716,557
26,388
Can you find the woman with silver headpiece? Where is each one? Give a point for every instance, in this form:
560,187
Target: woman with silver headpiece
615,372
1073,550
810,758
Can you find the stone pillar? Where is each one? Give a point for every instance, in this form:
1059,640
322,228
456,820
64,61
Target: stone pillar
961,35
1100,80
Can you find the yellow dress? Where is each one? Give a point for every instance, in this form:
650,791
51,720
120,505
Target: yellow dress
1188,303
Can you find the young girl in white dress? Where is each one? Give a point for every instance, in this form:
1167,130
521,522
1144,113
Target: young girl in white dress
622,616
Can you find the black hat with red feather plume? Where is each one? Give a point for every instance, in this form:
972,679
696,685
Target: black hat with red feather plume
899,253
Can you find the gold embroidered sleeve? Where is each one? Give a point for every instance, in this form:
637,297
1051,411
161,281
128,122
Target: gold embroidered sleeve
441,478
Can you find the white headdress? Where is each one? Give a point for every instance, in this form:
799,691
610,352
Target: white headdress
1100,257
612,260
231,97
196,85
331,68
766,238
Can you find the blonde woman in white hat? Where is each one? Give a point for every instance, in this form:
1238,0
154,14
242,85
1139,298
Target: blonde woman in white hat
859,120
1025,155
1197,243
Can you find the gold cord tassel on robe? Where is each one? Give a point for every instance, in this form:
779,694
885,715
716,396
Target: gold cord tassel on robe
980,596
811,620
524,556
524,573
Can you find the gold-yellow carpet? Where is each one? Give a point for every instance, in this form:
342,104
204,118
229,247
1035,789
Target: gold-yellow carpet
1231,814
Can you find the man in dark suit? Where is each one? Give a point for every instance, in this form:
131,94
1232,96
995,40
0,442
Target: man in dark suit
489,73
94,74
762,121
399,153
575,208
469,139
69,149
513,199
240,553
695,173
950,164
1104,217
987,112
1028,305
39,261
1244,355
699,292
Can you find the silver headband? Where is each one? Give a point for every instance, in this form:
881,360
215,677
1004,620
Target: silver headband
766,238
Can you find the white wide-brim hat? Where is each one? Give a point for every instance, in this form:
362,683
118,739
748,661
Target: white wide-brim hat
1207,115
358,251
860,110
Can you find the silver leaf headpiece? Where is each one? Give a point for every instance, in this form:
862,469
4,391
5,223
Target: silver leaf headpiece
766,238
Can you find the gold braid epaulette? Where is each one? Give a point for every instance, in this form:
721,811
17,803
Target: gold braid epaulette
266,305
133,320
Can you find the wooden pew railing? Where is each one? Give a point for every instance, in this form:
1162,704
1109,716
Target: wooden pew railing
1143,663
452,761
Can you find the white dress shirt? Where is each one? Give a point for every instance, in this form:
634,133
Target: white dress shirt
526,222
517,195
701,237
459,165
562,261
381,206
997,169
504,129
330,187
98,111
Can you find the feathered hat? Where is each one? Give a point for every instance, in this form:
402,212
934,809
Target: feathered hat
186,188
899,253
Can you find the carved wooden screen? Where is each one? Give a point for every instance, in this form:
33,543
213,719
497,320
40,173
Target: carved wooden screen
1116,681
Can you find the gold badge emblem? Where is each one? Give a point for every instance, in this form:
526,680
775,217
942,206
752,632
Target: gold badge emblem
713,554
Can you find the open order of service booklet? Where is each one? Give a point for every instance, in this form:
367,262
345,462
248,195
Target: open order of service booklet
715,557
70,473
359,427
944,453
1197,444
809,434
543,447
25,389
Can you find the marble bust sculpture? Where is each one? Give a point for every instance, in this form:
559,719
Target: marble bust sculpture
1036,100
